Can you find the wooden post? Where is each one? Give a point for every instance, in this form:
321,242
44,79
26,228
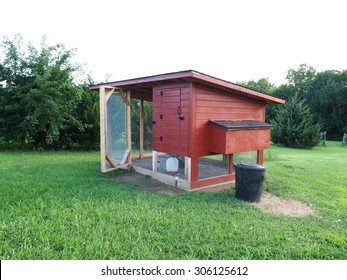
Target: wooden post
260,157
108,126
187,168
102,130
141,128
231,164
155,161
128,126
194,173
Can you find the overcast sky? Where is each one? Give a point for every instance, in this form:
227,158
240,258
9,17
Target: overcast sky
236,40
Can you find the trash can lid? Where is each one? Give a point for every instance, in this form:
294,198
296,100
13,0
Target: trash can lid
251,166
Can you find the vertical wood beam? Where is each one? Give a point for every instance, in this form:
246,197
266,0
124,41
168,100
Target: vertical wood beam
128,125
260,157
108,126
187,169
194,175
142,130
231,163
102,130
155,161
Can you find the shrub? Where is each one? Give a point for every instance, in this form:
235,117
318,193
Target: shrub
294,126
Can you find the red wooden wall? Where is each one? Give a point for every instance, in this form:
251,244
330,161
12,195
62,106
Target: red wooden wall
198,104
170,133
212,104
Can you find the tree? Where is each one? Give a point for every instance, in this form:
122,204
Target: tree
301,79
294,126
41,97
262,85
328,101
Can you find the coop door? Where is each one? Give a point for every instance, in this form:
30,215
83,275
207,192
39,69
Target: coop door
114,128
168,120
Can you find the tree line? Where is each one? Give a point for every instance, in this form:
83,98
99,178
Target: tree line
315,101
45,101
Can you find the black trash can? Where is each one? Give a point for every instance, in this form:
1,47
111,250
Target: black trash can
249,181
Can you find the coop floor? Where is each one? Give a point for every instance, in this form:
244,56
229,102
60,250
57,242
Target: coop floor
208,168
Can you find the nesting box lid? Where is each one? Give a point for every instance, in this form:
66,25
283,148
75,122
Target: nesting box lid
238,125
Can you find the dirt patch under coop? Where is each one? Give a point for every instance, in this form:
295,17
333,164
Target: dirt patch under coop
269,203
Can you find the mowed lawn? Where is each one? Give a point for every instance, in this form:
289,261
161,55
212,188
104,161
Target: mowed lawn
57,205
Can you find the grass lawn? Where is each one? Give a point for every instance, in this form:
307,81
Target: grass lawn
57,205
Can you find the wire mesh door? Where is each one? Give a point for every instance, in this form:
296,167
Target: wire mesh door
115,130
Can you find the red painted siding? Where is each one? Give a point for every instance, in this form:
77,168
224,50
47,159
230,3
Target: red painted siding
236,141
213,104
170,134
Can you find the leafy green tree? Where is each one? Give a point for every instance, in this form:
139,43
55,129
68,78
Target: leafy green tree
328,101
262,85
294,125
87,113
301,79
40,97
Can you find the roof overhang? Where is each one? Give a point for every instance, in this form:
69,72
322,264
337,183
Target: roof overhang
142,87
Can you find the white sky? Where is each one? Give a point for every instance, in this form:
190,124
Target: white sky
235,40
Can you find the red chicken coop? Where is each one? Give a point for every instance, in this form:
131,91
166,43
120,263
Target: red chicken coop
201,126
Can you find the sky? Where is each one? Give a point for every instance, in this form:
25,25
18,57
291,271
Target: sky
235,40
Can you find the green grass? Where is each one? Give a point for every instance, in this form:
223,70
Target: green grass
57,205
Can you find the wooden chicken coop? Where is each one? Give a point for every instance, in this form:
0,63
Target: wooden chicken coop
205,123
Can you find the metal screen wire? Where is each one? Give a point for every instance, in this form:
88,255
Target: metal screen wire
115,127
250,157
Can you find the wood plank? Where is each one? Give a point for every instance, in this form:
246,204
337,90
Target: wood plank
111,162
128,125
231,163
108,127
227,104
212,181
229,116
171,99
187,168
226,110
154,161
260,157
125,156
194,175
185,90
102,130
142,130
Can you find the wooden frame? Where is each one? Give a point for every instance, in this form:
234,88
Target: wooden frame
142,128
105,94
